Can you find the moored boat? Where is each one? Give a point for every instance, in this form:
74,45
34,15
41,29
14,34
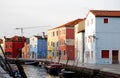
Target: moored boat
54,68
67,74
32,63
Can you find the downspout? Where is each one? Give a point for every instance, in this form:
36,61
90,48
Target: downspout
83,46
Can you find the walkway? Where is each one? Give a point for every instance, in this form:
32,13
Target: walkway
109,68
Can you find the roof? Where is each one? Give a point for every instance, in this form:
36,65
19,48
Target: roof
15,38
109,13
69,24
37,36
40,37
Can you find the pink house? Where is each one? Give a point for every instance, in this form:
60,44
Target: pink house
63,40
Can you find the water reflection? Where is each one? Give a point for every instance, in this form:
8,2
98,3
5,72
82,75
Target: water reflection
36,72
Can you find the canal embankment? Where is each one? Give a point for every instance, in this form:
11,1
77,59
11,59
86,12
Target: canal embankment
88,70
92,70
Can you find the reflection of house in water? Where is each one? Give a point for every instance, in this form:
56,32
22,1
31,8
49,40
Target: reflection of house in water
25,49
38,47
13,46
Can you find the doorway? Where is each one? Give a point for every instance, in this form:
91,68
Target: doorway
115,57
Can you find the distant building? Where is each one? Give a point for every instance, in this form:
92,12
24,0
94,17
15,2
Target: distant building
38,47
13,46
102,37
61,41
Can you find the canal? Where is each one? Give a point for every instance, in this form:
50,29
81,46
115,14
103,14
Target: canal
37,72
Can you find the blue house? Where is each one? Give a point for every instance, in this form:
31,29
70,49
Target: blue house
38,47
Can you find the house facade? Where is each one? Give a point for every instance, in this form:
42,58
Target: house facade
25,49
33,47
80,41
53,44
13,46
38,47
63,41
102,45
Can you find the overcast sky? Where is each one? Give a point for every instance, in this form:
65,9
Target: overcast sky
48,13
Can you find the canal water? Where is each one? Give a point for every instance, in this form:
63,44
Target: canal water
37,72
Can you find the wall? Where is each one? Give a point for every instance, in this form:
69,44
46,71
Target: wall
90,53
42,48
107,37
33,47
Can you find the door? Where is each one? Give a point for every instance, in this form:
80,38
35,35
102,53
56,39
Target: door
33,54
115,57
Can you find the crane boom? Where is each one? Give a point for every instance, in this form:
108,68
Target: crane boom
22,28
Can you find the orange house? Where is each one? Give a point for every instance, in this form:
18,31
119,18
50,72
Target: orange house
25,49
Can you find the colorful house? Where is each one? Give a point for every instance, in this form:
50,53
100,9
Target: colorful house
38,47
62,41
25,49
102,37
13,46
80,41
50,48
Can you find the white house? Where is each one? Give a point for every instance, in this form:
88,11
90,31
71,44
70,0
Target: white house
79,41
102,37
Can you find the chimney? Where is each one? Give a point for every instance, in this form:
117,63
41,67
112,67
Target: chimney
43,34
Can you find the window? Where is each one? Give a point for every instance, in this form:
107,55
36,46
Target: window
53,44
53,53
105,54
57,33
64,52
105,20
53,34
10,46
57,44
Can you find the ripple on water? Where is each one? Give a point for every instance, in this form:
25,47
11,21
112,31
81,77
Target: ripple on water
36,72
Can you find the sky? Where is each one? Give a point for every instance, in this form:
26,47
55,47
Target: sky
38,16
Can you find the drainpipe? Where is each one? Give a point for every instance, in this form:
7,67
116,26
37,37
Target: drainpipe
83,46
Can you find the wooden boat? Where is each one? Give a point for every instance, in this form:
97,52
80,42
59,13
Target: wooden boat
54,68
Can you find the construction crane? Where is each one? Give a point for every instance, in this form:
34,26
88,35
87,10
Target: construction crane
22,28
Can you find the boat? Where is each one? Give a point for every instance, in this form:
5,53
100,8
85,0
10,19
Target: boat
66,74
54,68
32,63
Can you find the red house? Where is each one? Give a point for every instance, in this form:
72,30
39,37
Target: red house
13,46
